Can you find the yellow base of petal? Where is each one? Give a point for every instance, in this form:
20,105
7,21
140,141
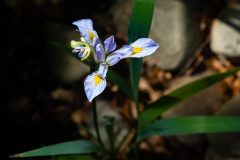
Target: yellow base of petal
97,80
136,50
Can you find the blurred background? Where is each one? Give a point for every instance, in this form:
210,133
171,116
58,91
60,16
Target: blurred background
43,101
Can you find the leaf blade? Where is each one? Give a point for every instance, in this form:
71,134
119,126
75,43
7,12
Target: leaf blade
71,147
139,27
179,95
109,127
191,125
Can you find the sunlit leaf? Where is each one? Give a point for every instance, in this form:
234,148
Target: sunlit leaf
139,27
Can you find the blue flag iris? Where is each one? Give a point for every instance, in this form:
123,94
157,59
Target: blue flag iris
95,83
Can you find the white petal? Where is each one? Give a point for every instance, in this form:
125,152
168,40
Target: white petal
85,26
94,85
145,46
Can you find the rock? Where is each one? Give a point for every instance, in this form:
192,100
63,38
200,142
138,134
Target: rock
104,108
121,12
64,66
226,146
225,35
175,27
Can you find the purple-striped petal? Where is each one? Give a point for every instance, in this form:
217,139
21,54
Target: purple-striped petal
85,27
94,85
102,70
119,54
110,44
143,47
99,50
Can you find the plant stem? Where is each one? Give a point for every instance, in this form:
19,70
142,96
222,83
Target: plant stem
95,120
94,109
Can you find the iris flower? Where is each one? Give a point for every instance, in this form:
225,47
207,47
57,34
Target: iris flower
107,56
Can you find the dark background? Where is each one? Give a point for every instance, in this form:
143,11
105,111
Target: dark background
30,117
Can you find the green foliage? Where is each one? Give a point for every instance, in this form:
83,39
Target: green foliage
139,27
191,125
71,147
109,126
179,95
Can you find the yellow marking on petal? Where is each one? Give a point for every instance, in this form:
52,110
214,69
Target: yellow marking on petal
91,35
136,50
97,79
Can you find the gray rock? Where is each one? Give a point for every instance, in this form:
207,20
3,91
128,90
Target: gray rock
225,35
174,27
226,146
63,65
121,12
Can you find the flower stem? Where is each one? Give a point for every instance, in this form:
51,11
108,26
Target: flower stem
95,116
95,120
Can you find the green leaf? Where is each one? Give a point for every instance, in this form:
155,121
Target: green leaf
139,27
135,67
191,125
111,75
109,126
71,147
141,19
179,95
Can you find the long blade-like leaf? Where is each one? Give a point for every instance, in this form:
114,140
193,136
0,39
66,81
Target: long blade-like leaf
191,125
71,147
109,126
111,75
139,27
179,95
